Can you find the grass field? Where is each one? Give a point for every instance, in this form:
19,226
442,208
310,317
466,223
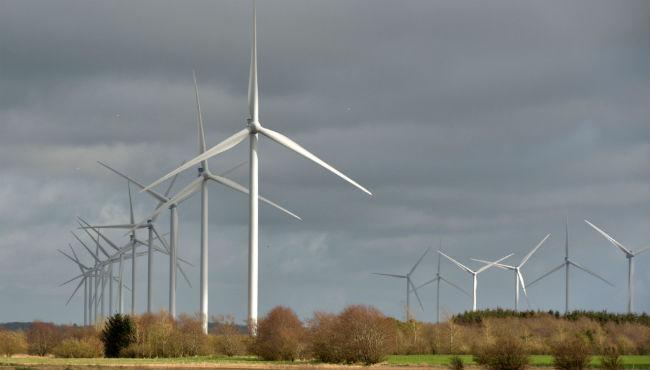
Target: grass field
637,362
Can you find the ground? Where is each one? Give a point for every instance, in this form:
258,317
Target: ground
243,362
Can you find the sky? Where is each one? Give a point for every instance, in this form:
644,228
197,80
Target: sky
480,127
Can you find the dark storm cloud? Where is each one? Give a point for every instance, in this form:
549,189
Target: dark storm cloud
479,124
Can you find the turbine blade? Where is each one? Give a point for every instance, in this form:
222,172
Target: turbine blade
235,186
183,194
201,132
102,236
133,181
85,246
233,168
460,265
590,272
527,257
180,269
253,99
642,250
75,291
219,148
95,240
71,280
128,184
418,262
492,263
416,294
521,280
427,283
456,286
120,226
285,141
611,240
390,275
545,275
499,265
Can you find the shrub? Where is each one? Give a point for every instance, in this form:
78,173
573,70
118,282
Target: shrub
504,353
88,347
42,337
572,353
366,334
456,363
325,342
189,334
228,339
118,334
12,342
280,336
611,359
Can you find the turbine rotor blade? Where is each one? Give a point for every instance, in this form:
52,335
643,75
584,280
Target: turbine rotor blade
611,240
427,283
253,99
492,264
642,250
590,272
233,168
235,186
420,260
527,257
455,286
545,275
499,265
288,143
390,275
75,291
521,281
416,294
219,148
460,265
153,193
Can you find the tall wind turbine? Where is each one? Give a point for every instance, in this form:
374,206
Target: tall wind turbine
566,264
410,287
519,278
474,273
437,279
252,130
629,254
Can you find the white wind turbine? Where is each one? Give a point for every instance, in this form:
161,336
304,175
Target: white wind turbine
201,184
474,273
252,130
519,278
566,264
409,285
629,254
437,279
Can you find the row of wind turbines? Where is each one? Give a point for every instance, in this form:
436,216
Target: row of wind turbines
519,283
94,277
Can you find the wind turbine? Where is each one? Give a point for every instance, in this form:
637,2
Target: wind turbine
437,279
629,254
201,184
566,264
252,130
519,278
474,273
409,285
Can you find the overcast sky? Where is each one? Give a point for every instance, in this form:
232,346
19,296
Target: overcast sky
478,125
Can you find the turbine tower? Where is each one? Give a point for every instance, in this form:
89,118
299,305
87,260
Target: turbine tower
567,264
519,278
629,254
437,279
251,131
409,285
474,273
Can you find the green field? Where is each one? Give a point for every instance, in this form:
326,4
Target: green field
638,362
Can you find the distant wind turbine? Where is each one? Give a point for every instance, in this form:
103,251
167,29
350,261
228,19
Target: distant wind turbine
410,287
566,264
474,273
629,254
519,278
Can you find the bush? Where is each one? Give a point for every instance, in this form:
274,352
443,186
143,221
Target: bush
118,334
366,334
280,336
188,332
89,347
571,353
228,338
42,337
12,342
611,359
456,363
325,343
505,353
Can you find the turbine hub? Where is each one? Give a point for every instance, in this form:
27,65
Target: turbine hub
254,126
